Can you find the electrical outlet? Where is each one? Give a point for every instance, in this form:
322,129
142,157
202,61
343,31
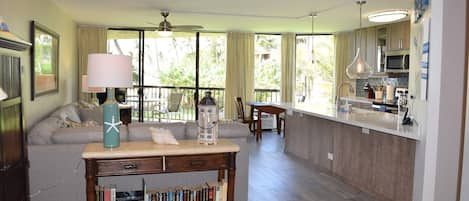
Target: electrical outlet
301,114
289,112
365,131
330,156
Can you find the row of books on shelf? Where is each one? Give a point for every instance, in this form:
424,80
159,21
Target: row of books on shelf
105,193
210,191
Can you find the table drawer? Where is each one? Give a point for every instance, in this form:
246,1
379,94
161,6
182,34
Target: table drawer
196,163
129,166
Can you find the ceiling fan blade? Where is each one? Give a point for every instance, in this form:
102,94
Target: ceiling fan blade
187,27
153,24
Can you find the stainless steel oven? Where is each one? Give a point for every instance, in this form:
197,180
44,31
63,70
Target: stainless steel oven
397,61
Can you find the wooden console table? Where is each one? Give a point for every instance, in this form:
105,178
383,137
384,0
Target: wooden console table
135,158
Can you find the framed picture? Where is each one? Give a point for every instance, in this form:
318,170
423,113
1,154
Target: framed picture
44,60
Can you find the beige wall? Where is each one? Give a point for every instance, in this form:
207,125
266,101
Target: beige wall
18,14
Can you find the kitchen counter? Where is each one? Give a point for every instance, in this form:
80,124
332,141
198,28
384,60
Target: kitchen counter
378,121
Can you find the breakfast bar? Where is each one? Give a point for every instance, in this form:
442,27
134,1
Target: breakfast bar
367,149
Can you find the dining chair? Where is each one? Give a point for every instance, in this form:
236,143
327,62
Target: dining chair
241,115
173,106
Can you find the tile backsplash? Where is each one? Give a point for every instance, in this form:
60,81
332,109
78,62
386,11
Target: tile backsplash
397,82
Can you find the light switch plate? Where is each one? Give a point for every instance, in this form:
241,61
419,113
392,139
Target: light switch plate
330,156
365,131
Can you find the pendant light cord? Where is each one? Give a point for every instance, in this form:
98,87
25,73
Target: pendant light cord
312,39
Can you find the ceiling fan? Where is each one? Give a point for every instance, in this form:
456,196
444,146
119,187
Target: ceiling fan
165,28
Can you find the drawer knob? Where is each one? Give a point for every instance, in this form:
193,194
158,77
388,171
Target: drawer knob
130,166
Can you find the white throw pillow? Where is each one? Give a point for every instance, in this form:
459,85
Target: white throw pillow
162,136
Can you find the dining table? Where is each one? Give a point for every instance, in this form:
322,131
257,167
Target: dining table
265,107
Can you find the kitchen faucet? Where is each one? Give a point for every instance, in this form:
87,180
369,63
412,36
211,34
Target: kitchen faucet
337,97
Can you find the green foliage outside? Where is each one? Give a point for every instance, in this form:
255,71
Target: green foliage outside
42,53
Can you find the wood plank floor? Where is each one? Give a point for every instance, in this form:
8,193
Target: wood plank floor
277,176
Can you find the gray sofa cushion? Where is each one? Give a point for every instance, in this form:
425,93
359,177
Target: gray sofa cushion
226,129
42,132
141,131
68,111
91,114
83,135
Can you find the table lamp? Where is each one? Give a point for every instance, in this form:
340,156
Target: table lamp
110,71
3,95
93,90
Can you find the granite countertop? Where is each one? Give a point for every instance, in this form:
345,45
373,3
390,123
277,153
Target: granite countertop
149,148
378,121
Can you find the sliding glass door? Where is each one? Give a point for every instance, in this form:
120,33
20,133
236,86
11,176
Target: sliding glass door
167,67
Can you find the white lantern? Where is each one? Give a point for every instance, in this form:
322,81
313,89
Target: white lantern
208,120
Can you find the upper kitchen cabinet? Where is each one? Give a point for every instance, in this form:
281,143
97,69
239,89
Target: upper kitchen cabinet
398,36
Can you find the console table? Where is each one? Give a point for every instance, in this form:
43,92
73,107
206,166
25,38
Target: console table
135,158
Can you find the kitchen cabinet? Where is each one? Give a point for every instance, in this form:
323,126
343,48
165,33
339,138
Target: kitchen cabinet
378,163
398,36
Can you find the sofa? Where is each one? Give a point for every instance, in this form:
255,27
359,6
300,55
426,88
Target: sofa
57,171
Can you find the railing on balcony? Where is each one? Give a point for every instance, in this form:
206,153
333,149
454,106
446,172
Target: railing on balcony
156,100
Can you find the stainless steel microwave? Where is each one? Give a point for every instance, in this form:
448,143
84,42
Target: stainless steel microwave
397,61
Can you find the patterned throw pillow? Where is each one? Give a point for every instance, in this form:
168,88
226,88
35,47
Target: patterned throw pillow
162,136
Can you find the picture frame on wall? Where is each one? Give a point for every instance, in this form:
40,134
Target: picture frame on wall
44,60
420,6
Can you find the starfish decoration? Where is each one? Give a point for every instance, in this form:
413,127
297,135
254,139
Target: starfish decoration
112,125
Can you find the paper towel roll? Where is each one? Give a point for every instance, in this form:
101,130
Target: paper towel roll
389,92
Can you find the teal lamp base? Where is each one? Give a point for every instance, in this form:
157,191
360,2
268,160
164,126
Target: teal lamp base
111,119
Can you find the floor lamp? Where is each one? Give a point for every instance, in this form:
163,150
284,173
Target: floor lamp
110,71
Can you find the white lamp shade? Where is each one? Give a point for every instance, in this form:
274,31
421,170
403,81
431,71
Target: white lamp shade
107,70
3,95
87,89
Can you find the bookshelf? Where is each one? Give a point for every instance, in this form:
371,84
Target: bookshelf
139,158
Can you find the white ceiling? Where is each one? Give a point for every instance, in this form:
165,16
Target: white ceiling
224,15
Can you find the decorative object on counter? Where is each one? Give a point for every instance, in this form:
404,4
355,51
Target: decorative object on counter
3,95
379,92
162,136
389,92
359,69
369,89
110,71
388,15
44,64
93,90
208,120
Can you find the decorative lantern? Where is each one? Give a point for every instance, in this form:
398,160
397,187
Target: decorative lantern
208,120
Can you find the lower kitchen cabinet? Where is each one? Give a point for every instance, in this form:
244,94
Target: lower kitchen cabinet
375,162
378,163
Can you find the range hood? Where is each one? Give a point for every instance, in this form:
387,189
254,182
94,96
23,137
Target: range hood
10,41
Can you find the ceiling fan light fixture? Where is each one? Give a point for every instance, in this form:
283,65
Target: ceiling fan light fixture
165,33
388,15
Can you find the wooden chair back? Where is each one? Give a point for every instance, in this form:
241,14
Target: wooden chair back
240,107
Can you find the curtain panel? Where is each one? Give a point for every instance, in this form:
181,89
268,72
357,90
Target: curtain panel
288,77
239,71
90,40
344,46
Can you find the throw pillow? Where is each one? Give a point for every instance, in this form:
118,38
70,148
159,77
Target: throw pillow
162,136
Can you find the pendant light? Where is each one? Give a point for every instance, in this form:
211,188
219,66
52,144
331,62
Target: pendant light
359,69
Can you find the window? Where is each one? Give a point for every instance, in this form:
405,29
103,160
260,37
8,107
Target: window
267,67
315,83
167,65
